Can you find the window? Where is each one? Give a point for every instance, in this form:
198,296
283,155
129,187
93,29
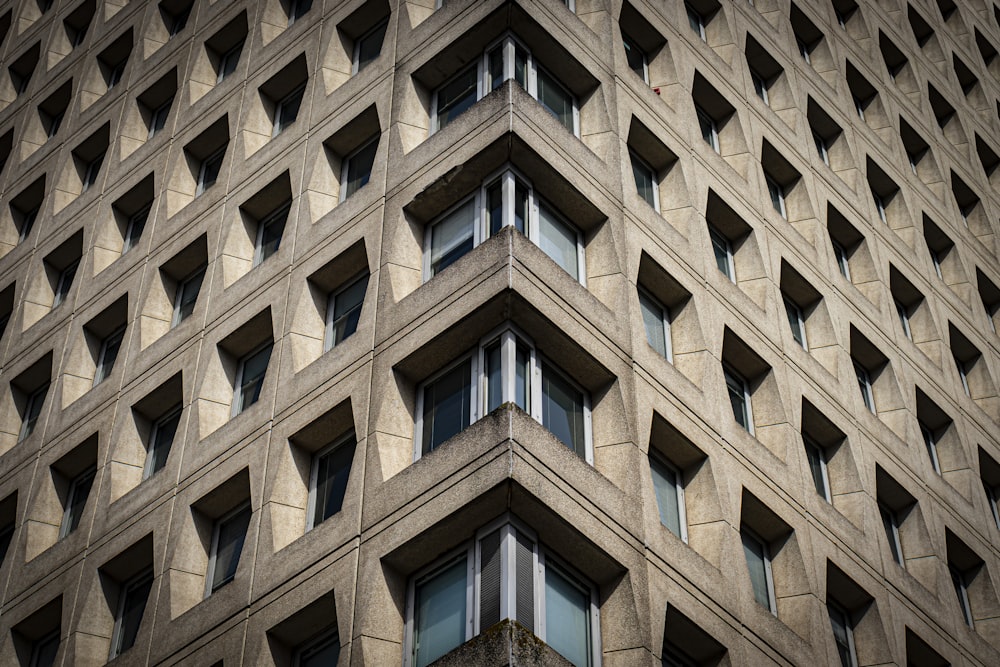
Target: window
187,296
796,322
890,522
115,73
76,500
840,256
739,398
209,170
991,500
777,194
816,456
696,22
723,250
108,355
297,9
27,222
879,206
287,110
250,378
228,62
269,232
821,148
134,228
177,21
504,369
760,86
804,49
636,58
645,181
936,262
669,488
931,443
758,557
865,385
959,581
505,200
228,536
508,59
92,170
6,536
843,634
320,652
460,597
54,122
32,410
709,129
904,318
44,650
65,281
357,169
331,468
128,617
656,321
344,311
368,46
158,119
161,439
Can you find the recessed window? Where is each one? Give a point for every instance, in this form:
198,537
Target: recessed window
509,59
22,69
904,318
696,21
843,634
208,171
368,47
187,295
319,652
228,62
656,322
841,258
26,206
739,398
507,200
645,181
344,311
930,438
52,110
760,86
723,251
250,375
890,522
297,9
161,439
879,206
225,47
287,110
709,129
865,386
636,58
64,282
175,16
76,501
228,536
131,608
91,170
961,586
134,228
32,410
777,193
796,322
816,456
758,556
110,347
358,169
158,117
822,150
669,488
331,469
269,233
44,650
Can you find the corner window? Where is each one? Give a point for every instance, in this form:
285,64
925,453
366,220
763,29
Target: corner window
331,468
228,536
656,322
128,616
269,233
344,311
645,181
368,47
502,201
508,59
758,556
357,169
739,398
161,439
843,634
187,296
76,500
250,378
669,488
32,410
505,368
108,355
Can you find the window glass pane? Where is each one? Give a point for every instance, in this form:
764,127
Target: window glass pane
136,225
815,457
562,410
754,552
109,354
794,315
889,524
521,377
456,96
232,535
31,414
709,131
163,438
65,283
494,377
737,398
644,182
555,99
270,236
6,535
210,170
440,613
558,241
667,499
720,246
447,406
495,60
452,237
520,205
43,653
777,194
371,45
347,310
332,472
133,607
841,636
323,653
652,319
359,168
521,66
494,206
79,492
188,296
254,370
567,617
229,61
636,59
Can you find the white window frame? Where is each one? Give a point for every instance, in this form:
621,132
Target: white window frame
508,177
314,474
230,56
154,434
65,283
468,552
220,156
138,221
182,286
890,522
547,561
160,112
664,317
356,55
822,149
719,240
793,309
328,342
841,257
28,424
833,607
509,44
346,167
731,373
657,459
238,385
777,194
509,336
705,120
748,533
210,586
760,86
930,438
865,386
279,214
101,373
696,22
961,585
820,453
629,44
903,313
89,475
116,635
636,160
280,123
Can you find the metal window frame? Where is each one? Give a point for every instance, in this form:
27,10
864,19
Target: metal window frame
320,641
160,112
748,532
328,342
28,423
210,584
630,44
182,286
833,606
547,561
821,456
696,22
822,148
664,317
760,85
658,459
238,384
800,320
100,372
841,257
42,641
865,385
314,474
124,590
147,467
356,51
65,283
731,373
280,124
713,129
895,544
346,167
653,177
130,239
930,439
65,526
718,239
959,579
217,156
92,171
467,552
963,374
903,312
226,58
777,194
993,502
281,213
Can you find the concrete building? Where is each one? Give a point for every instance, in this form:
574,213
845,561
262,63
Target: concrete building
593,332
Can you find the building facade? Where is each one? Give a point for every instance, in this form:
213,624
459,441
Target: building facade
488,332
